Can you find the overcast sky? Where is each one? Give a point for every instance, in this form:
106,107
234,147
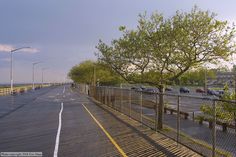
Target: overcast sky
63,33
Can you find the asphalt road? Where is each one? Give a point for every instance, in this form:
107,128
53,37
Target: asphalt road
60,122
29,123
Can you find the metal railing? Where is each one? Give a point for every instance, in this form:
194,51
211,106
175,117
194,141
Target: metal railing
18,90
203,124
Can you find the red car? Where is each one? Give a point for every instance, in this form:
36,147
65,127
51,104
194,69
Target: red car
199,90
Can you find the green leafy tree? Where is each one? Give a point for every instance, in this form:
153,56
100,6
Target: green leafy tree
229,107
84,73
161,50
197,76
225,110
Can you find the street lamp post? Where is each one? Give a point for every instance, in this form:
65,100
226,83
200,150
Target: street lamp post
43,75
35,63
11,73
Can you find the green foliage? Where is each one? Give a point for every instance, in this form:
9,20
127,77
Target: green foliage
230,107
226,89
234,68
225,110
84,73
221,114
197,76
161,50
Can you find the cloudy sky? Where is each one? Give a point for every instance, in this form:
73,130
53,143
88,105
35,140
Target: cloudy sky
62,33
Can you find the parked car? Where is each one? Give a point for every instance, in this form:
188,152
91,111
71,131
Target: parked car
220,93
184,90
200,90
212,92
14,92
22,90
168,89
150,90
37,87
138,89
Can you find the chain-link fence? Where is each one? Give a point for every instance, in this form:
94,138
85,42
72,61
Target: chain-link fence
202,123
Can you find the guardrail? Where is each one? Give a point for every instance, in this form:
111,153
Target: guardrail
209,132
19,90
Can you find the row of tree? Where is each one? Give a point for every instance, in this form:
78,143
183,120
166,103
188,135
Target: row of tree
86,71
90,72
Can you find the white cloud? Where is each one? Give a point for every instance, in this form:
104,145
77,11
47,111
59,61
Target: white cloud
8,48
30,50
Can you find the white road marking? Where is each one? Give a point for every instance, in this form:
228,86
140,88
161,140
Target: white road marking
58,133
64,90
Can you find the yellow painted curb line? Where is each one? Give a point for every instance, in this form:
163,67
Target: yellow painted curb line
108,135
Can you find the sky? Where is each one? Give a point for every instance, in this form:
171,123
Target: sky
63,33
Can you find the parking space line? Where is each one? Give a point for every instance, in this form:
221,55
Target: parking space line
58,133
107,134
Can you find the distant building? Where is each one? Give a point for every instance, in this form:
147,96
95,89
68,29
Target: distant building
222,78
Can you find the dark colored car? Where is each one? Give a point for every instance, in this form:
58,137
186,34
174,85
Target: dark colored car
211,92
72,85
134,88
37,87
168,89
138,89
14,92
150,90
199,90
22,90
183,90
220,93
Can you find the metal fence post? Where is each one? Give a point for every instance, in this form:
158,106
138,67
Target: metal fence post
100,94
178,119
156,108
105,97
109,96
97,91
121,100
107,91
193,116
112,97
141,107
161,108
130,103
214,130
